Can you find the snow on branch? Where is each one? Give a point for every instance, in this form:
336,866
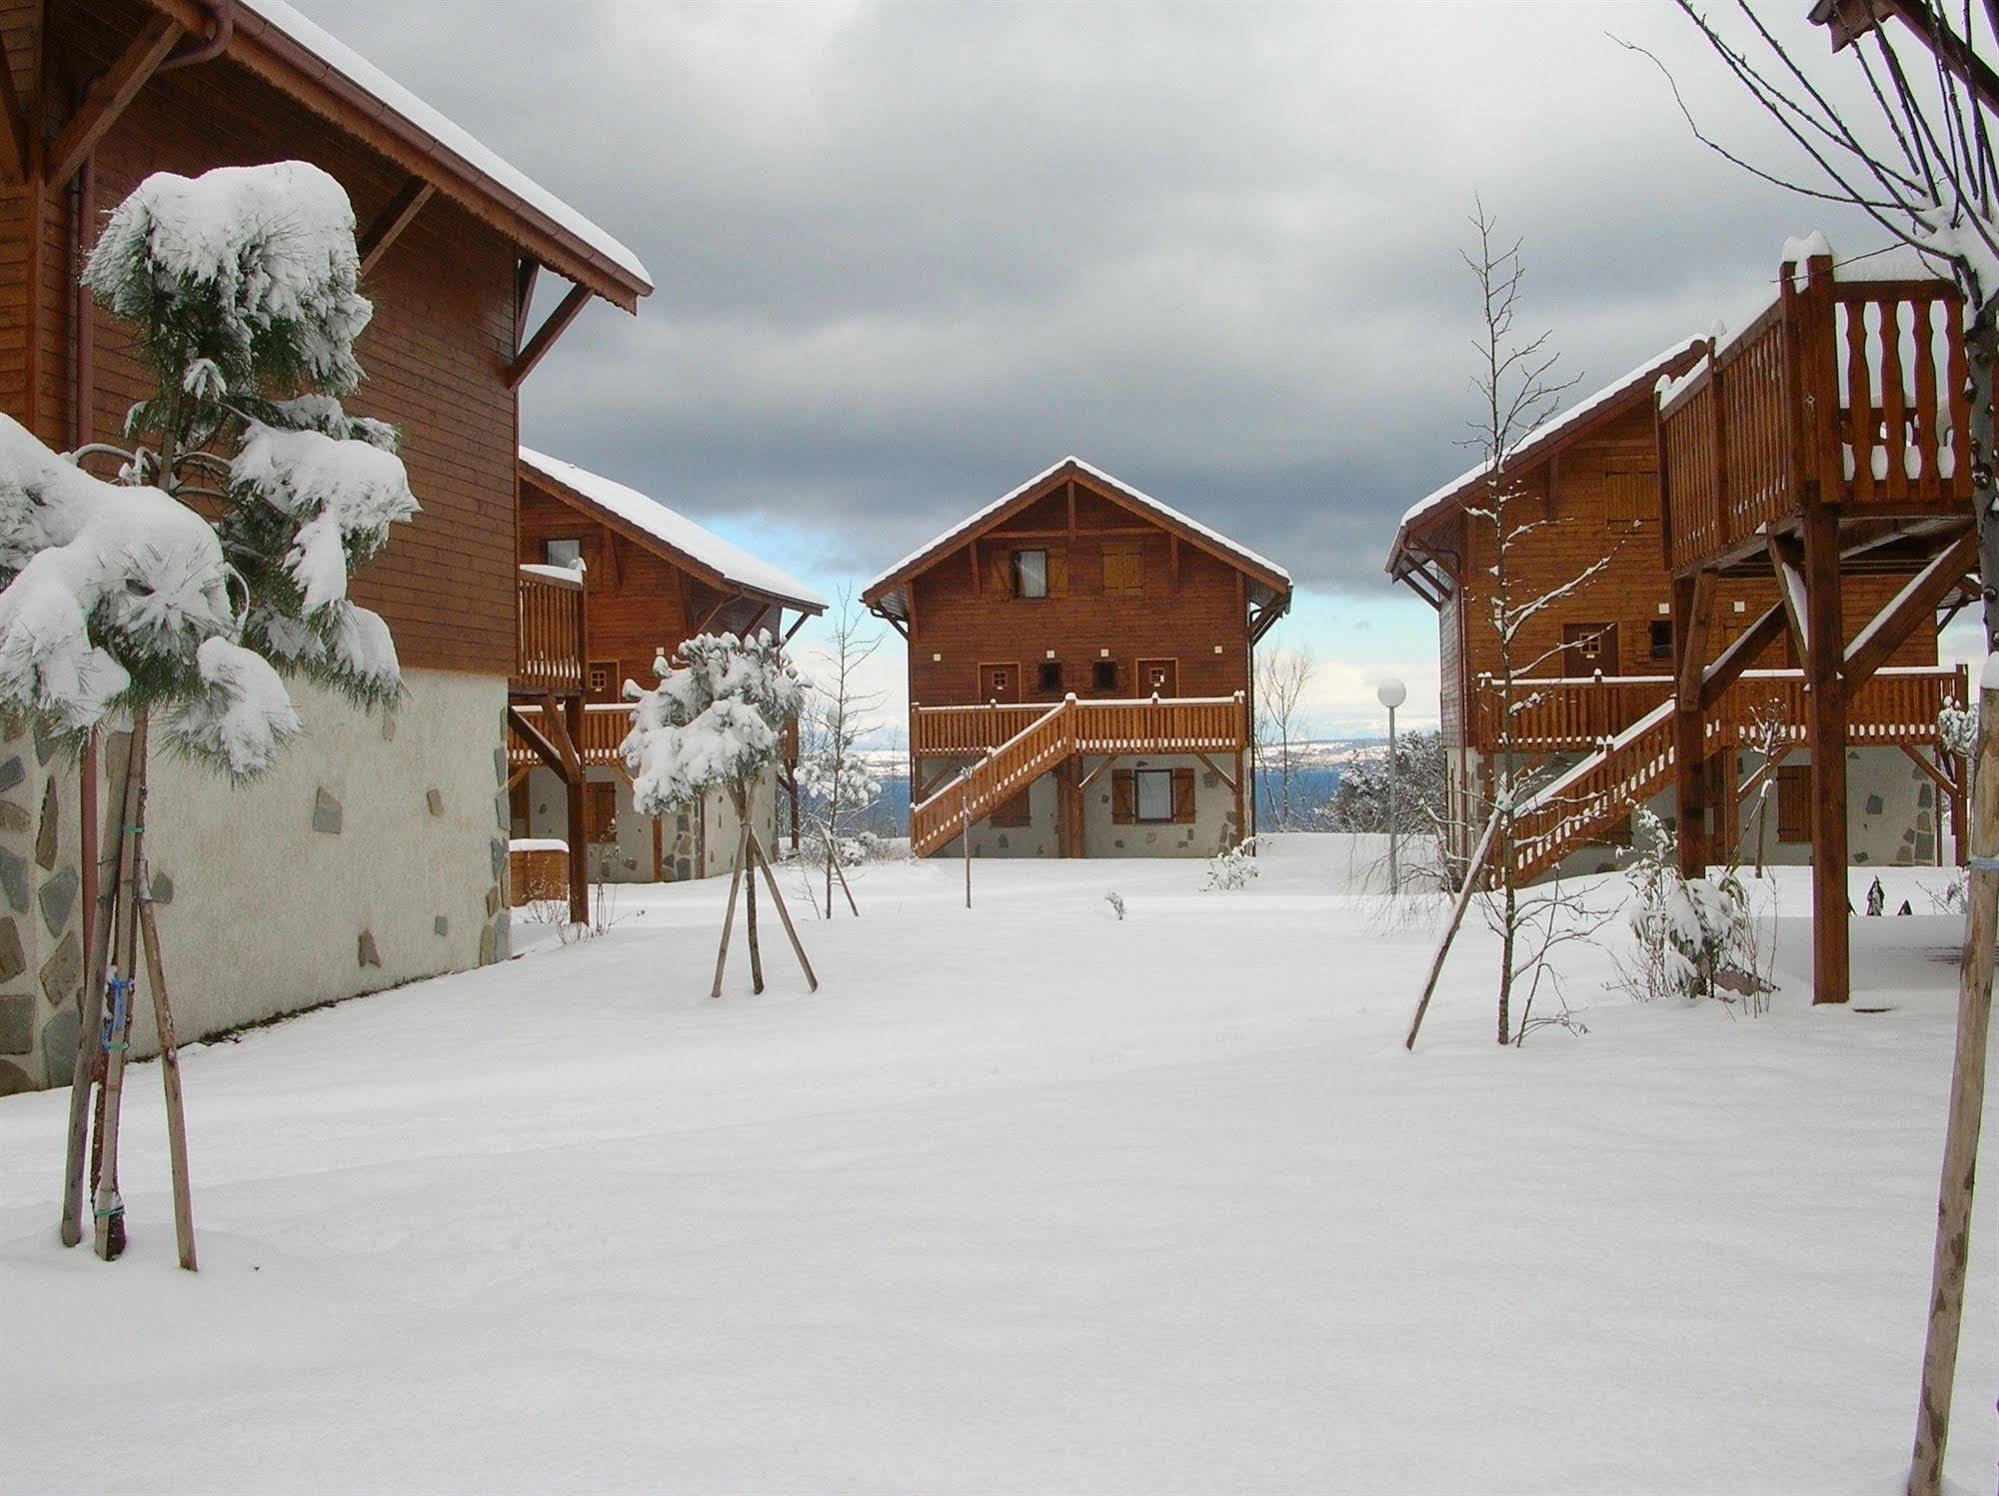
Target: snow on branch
712,721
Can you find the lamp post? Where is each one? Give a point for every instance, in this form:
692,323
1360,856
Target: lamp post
1391,693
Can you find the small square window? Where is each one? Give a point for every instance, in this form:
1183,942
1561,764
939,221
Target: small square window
562,553
1154,794
1030,573
1103,675
1051,675
603,676
1660,631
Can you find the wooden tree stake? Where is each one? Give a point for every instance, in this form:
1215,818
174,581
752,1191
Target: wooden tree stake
1967,1099
729,917
784,914
163,1019
1473,868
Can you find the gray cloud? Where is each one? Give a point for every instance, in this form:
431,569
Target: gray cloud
907,255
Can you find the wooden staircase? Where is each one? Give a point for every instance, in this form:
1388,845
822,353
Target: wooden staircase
1003,773
1580,804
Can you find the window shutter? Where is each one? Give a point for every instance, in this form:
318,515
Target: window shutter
1183,796
1058,571
1015,810
1124,791
1794,804
1124,570
999,572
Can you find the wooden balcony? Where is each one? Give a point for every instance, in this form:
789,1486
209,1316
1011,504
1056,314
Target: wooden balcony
550,633
1181,724
1580,714
605,724
1844,391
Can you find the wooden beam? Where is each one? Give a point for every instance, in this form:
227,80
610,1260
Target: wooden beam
1689,733
1914,604
792,632
1216,770
109,97
1728,668
1096,773
1944,782
1825,710
544,338
1693,635
392,220
525,275
13,126
533,736
1787,561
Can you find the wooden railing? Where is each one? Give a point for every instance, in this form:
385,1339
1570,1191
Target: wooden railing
1858,387
1897,706
605,724
548,642
1211,724
957,730
1567,713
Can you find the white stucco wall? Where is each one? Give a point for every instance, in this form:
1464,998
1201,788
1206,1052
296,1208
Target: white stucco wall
1204,836
372,854
1893,818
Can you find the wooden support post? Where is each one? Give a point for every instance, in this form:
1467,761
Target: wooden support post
1825,713
1689,733
783,913
544,337
579,830
388,227
736,871
1967,1099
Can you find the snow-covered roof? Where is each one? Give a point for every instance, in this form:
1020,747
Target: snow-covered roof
677,532
1144,501
399,105
1566,423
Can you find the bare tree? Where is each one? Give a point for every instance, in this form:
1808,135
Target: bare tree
832,770
1916,156
1517,390
1280,680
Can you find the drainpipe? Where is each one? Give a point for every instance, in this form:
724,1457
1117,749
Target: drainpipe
220,31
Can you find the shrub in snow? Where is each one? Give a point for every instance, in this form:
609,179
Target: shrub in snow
1116,901
712,722
1232,868
240,289
1695,936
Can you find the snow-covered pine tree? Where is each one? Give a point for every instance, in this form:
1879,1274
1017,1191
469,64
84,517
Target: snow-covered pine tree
713,722
178,598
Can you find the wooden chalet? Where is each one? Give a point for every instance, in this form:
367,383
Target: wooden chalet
1668,663
1079,673
640,580
95,95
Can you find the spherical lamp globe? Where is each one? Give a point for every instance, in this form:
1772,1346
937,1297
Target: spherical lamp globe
1391,693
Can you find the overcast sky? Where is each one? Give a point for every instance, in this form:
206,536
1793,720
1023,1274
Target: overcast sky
908,255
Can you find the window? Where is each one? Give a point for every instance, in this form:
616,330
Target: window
1154,796
1030,573
604,678
562,552
1051,675
1124,567
1103,675
601,811
1660,632
1154,789
1794,804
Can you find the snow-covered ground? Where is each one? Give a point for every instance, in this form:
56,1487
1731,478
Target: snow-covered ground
1026,1198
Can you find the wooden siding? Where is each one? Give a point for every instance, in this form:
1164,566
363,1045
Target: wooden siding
435,353
1575,491
639,601
963,609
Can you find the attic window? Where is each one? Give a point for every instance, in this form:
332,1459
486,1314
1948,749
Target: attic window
1051,675
1103,675
567,552
1030,573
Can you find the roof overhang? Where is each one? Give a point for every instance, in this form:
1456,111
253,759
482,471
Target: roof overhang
1408,554
640,536
268,51
888,595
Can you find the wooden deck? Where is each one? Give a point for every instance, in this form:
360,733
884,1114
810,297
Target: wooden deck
1579,714
1851,393
1014,745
